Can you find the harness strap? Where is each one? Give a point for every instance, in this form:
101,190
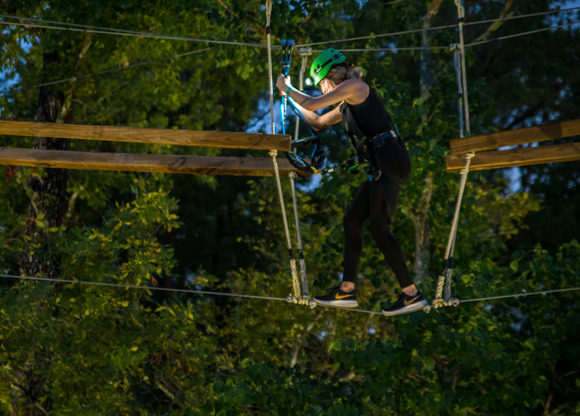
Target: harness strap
361,142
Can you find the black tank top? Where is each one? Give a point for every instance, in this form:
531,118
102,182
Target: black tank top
371,116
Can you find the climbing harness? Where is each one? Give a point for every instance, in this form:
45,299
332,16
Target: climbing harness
317,156
365,146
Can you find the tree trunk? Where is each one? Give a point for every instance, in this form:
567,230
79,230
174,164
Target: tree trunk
49,204
49,201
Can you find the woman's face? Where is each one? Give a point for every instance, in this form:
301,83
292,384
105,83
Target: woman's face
326,85
334,77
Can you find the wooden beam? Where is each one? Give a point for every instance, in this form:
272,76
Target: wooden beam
517,157
516,137
221,139
203,165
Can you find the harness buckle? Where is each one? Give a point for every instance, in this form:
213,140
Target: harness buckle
380,139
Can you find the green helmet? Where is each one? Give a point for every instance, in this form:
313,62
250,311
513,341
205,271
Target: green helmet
324,62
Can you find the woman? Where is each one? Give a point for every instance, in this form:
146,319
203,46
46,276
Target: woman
367,121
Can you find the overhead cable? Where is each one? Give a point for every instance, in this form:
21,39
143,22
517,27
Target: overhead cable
136,34
521,16
421,30
475,43
32,19
522,34
46,24
383,35
107,71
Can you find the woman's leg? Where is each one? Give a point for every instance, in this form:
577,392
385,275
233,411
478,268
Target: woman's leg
384,198
394,163
353,239
344,295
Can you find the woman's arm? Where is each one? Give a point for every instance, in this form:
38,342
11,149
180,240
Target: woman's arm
319,122
352,91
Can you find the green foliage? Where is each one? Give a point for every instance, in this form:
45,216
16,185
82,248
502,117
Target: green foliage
118,346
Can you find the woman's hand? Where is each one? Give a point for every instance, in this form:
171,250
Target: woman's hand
283,83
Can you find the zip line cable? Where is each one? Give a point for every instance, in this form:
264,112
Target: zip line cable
32,19
522,16
474,43
383,35
123,32
137,34
411,31
393,49
523,33
259,297
107,71
182,38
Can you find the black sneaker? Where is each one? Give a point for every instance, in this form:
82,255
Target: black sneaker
406,304
336,297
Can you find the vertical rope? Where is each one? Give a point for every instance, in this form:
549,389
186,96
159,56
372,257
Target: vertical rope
457,58
273,153
446,274
299,238
461,16
444,281
304,53
295,280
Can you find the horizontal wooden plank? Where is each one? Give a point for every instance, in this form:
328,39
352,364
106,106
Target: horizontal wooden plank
534,134
567,152
221,139
202,165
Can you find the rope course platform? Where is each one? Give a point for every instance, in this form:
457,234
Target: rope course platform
221,139
463,155
496,159
127,162
207,165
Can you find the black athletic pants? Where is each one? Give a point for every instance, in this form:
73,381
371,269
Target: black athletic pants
377,202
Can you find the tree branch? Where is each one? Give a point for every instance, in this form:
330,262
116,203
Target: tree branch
498,23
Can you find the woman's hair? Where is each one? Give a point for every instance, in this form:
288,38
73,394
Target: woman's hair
343,71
